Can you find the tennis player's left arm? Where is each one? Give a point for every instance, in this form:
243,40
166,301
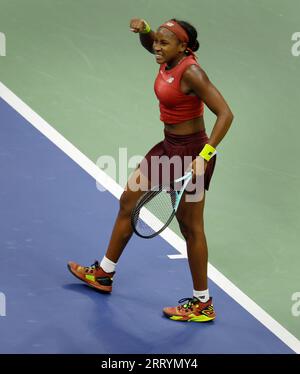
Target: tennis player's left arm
200,84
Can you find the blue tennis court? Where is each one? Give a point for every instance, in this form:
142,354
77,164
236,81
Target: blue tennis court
52,212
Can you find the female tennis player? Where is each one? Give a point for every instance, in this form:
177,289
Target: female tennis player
182,88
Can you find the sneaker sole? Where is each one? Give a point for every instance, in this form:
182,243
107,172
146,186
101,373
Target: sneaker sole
89,284
198,319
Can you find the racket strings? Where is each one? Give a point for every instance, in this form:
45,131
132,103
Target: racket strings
161,203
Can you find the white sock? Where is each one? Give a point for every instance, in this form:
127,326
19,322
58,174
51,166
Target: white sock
203,296
107,265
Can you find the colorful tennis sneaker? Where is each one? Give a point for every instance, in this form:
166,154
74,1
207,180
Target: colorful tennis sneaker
93,275
193,310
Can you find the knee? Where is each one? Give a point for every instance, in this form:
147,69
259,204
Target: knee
196,232
125,204
192,231
183,229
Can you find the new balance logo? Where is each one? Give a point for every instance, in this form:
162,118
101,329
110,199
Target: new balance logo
209,311
169,80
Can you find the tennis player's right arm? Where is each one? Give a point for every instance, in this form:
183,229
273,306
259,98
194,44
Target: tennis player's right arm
137,25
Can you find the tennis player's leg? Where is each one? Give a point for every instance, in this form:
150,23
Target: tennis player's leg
122,230
199,308
100,276
191,222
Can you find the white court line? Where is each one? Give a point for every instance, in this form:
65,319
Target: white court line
172,238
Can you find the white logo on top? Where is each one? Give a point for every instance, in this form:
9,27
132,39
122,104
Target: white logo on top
169,80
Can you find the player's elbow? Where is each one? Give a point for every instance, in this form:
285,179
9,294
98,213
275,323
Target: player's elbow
226,115
230,116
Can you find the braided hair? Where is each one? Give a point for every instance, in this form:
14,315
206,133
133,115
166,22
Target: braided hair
192,33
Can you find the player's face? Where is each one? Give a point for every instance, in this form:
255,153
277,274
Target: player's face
166,46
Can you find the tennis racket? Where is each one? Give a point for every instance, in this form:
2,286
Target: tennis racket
157,206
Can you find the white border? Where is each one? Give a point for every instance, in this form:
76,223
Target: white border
173,239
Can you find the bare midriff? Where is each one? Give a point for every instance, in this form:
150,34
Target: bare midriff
186,127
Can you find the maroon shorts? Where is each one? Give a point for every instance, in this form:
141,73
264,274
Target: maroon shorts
184,147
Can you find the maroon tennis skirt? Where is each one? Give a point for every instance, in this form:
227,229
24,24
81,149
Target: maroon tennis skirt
185,148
